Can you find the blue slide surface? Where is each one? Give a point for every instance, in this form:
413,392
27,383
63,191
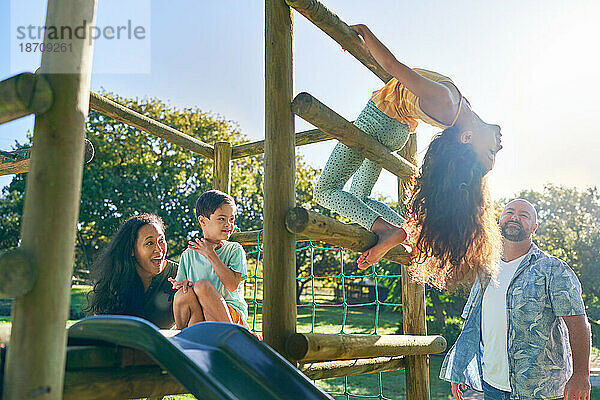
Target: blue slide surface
212,360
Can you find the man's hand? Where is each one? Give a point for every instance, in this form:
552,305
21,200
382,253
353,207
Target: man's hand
204,247
458,390
183,285
578,387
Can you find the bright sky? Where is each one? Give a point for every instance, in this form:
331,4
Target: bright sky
529,66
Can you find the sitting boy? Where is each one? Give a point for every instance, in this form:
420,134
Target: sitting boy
211,272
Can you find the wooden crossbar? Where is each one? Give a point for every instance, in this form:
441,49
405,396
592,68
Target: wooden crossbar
24,94
17,162
339,368
327,347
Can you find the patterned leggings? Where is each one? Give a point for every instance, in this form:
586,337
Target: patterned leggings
345,163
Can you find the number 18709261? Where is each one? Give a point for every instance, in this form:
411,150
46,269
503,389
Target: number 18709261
57,47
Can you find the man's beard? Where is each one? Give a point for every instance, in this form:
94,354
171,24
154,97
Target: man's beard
513,232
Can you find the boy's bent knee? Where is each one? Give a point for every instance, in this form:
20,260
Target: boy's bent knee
181,298
204,287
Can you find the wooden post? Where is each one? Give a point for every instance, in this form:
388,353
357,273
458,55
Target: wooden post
279,298
22,95
222,167
36,355
312,110
409,153
413,321
315,226
413,307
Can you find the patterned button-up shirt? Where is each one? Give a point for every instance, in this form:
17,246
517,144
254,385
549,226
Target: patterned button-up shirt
543,289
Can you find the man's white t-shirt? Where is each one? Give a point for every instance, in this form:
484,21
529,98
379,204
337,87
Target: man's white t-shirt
494,327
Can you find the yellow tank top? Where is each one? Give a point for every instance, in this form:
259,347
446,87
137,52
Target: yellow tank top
397,102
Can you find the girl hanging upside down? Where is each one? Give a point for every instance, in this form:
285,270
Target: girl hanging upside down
450,224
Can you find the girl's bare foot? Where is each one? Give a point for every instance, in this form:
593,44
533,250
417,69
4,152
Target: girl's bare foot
388,236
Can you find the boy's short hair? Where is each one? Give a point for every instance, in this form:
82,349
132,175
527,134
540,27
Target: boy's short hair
208,202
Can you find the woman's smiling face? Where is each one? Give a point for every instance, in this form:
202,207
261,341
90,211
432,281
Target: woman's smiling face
150,249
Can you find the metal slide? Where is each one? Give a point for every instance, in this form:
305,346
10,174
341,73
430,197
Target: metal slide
212,360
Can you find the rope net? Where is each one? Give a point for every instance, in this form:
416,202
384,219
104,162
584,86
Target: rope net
337,299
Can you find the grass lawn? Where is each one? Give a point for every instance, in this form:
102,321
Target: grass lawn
331,319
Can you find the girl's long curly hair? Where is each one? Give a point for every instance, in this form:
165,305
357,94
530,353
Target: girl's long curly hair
118,289
451,227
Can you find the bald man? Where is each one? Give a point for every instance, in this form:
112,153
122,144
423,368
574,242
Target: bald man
526,335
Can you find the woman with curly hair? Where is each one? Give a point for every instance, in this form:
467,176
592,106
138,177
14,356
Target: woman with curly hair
449,212
131,276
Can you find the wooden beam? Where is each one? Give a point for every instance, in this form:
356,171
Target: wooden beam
337,29
300,139
120,383
106,356
36,355
327,347
413,321
413,307
279,262
121,113
312,110
22,95
409,153
247,238
18,161
222,167
350,236
340,368
253,237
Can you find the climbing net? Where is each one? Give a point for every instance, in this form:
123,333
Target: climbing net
358,299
